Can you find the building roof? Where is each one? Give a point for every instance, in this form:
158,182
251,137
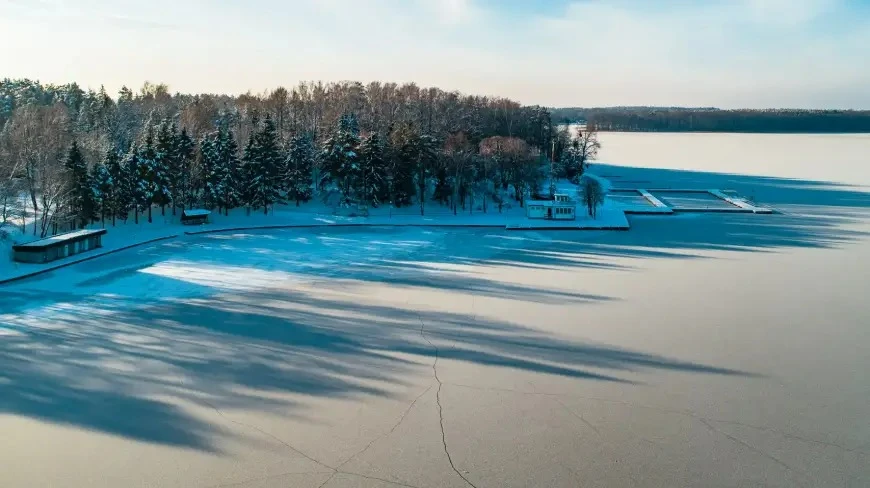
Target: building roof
551,203
196,212
78,235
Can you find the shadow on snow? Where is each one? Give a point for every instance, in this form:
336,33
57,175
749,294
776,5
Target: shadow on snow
115,364
117,367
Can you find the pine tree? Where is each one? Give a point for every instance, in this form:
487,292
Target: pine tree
299,168
184,180
225,171
101,186
164,165
401,159
113,189
130,186
210,156
372,176
149,176
340,155
272,159
81,205
415,158
264,162
248,172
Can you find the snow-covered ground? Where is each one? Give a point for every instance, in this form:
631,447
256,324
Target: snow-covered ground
693,350
314,213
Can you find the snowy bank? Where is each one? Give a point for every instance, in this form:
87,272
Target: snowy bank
25,270
126,235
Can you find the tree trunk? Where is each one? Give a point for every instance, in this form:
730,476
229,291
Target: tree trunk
163,209
24,215
422,190
136,215
33,199
149,214
457,183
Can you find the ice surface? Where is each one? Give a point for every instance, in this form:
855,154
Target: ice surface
202,359
703,350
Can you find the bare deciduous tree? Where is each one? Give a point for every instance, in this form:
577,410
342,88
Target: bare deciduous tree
277,103
584,148
54,189
591,194
11,180
518,165
459,159
37,136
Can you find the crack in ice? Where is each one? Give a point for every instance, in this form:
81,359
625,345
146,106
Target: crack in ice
753,448
438,402
382,436
335,469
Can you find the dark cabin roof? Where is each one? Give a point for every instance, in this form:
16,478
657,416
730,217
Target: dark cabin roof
59,240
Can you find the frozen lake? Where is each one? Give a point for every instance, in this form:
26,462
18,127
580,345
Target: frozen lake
694,350
825,157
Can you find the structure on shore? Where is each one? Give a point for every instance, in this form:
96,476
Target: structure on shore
58,247
562,207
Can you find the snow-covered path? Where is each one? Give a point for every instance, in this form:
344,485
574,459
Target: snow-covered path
680,353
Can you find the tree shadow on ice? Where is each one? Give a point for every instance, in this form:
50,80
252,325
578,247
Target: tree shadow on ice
117,367
225,338
59,378
816,214
811,214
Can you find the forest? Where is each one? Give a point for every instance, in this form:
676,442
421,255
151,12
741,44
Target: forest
680,119
70,157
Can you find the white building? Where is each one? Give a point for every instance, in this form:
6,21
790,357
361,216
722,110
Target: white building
562,208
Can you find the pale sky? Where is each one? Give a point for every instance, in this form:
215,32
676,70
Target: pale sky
725,53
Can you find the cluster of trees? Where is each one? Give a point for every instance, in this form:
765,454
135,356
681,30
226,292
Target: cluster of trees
73,156
675,119
573,115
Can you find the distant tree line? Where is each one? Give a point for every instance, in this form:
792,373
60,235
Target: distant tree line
678,119
73,156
